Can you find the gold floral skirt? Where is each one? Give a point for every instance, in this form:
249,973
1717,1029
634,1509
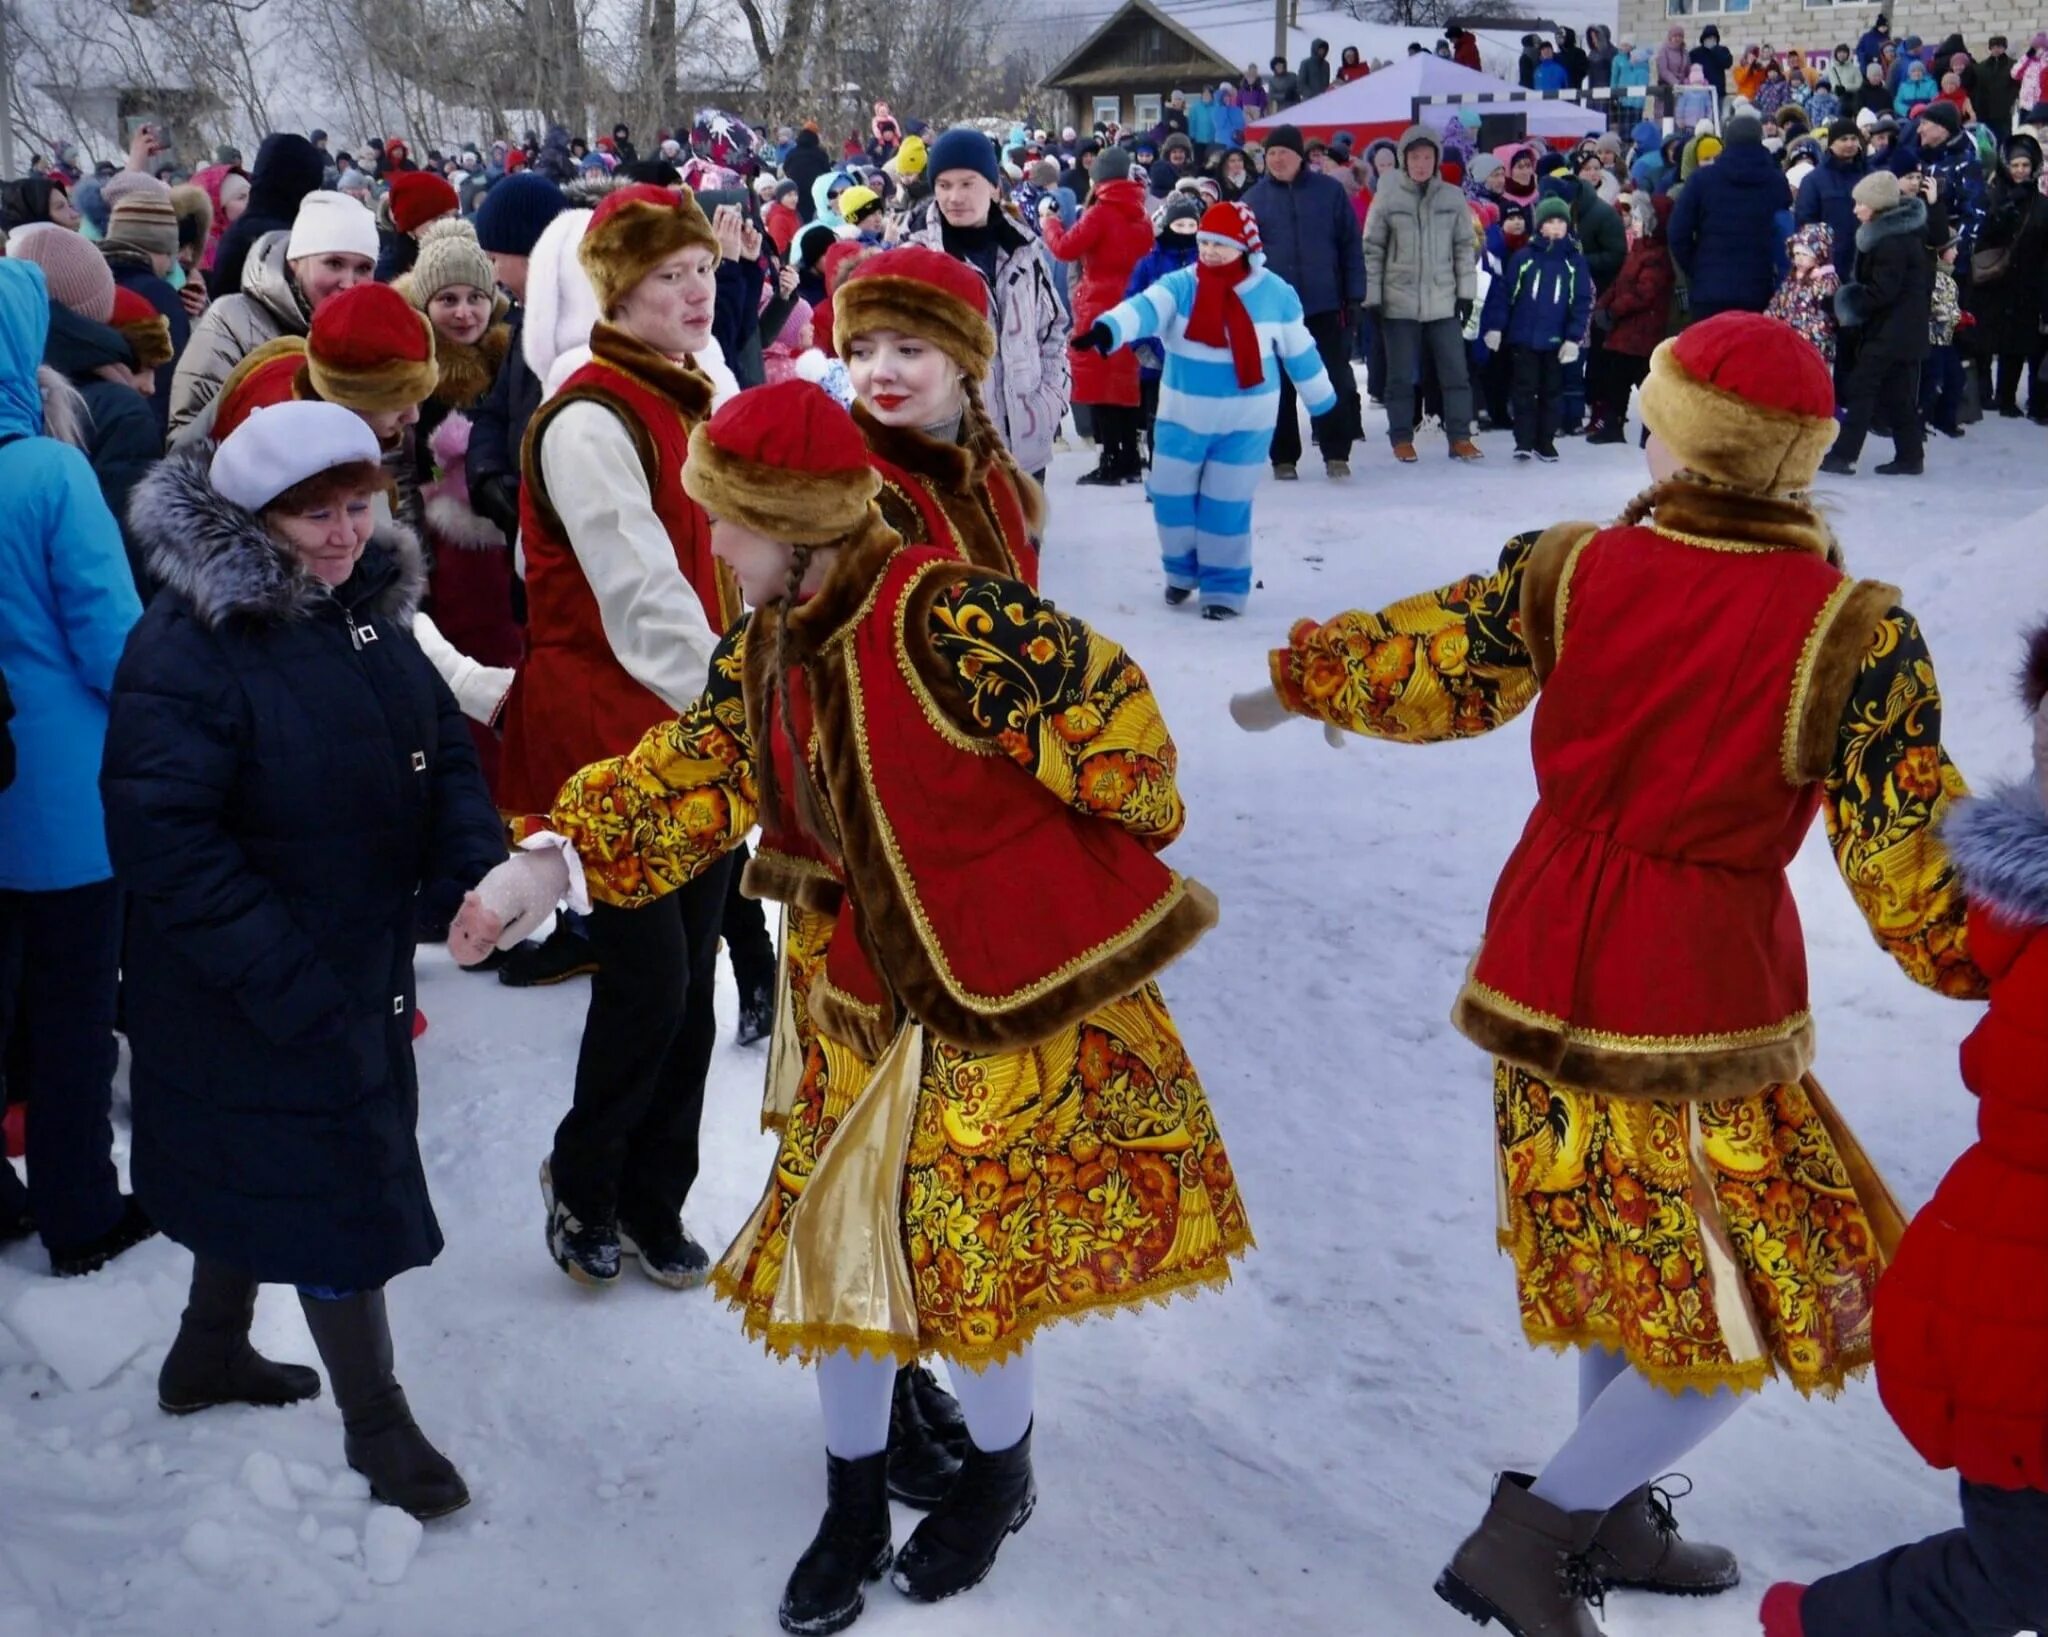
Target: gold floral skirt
1084,1173
1713,1243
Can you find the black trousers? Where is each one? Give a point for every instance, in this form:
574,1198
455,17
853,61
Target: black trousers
746,933
628,1146
1986,1579
1882,384
1610,377
1335,432
1539,398
60,956
1116,430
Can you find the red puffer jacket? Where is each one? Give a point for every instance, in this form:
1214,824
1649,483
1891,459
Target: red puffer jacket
1113,235
1639,299
1961,1327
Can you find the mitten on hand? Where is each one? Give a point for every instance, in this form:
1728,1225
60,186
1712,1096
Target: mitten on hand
1099,338
508,904
1464,311
1568,353
1492,340
1260,711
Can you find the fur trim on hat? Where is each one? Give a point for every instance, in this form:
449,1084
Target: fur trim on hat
227,565
1729,439
396,383
915,308
632,238
150,340
804,508
2034,673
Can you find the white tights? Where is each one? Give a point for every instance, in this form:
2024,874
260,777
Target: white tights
1630,1432
854,1392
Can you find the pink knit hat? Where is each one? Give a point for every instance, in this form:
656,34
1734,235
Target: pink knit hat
77,274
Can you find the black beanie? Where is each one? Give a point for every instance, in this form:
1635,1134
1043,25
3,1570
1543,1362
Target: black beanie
514,211
1288,137
1839,128
1743,131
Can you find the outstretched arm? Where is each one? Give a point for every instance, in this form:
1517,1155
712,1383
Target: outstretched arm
1449,664
1889,788
1064,702
648,822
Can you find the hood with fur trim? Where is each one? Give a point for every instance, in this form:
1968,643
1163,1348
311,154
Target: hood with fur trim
222,560
2000,846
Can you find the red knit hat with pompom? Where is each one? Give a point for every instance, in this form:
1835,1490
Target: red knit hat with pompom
1744,400
785,461
1228,222
419,197
371,350
920,292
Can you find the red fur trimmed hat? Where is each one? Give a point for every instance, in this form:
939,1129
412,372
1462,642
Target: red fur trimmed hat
371,350
633,231
147,331
918,292
419,197
785,461
1743,400
267,376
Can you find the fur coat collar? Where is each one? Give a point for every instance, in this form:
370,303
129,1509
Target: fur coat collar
227,566
2000,845
1909,215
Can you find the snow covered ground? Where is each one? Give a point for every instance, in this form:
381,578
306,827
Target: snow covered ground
1295,1455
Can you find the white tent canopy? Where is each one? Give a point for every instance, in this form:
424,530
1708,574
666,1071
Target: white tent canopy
1383,104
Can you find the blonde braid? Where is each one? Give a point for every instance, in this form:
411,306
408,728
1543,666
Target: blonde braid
809,813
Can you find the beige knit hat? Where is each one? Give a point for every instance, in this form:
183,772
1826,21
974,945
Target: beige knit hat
76,273
449,254
141,213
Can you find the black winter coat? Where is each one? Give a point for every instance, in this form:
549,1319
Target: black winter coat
1725,231
2008,309
497,428
1890,301
122,439
133,272
283,770
1603,241
1824,197
807,161
287,168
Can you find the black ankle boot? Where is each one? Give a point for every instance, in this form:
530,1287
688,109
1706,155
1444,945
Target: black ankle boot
380,1438
955,1547
212,1362
1108,470
850,1549
941,1410
921,1467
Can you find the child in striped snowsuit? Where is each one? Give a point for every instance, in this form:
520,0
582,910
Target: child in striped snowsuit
1220,322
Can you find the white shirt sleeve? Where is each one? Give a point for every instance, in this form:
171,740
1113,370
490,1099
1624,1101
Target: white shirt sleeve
652,615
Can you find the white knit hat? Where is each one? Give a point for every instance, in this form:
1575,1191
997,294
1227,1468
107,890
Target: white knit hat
284,445
332,224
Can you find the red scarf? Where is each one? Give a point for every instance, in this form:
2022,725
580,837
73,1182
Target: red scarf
1220,318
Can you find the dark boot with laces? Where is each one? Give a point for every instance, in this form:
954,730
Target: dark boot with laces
955,1547
588,1252
921,1467
1526,1566
826,1590
212,1362
1638,1549
941,1410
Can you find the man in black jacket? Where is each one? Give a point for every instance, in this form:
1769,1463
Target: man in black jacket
1996,91
807,162
1888,305
508,225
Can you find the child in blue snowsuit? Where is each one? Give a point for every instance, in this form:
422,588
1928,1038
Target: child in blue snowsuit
1539,309
1175,249
1225,324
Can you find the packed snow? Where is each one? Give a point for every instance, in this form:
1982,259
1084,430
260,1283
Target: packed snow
1296,1454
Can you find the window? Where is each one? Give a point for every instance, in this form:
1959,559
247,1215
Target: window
1838,5
1109,110
1145,111
1712,8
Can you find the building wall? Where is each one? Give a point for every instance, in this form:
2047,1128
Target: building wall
1791,23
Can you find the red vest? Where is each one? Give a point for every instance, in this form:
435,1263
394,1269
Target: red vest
999,498
1642,939
939,835
573,702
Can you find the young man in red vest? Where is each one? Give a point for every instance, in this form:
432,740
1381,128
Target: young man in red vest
624,606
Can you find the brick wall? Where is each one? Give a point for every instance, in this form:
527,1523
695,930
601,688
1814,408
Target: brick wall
1790,23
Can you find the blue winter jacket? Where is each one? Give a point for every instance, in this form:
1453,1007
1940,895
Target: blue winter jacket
67,603
1543,299
1168,255
1960,185
1724,229
1230,123
1551,76
1312,239
1201,122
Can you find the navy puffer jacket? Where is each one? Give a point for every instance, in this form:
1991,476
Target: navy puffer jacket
1312,238
1726,232
283,771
